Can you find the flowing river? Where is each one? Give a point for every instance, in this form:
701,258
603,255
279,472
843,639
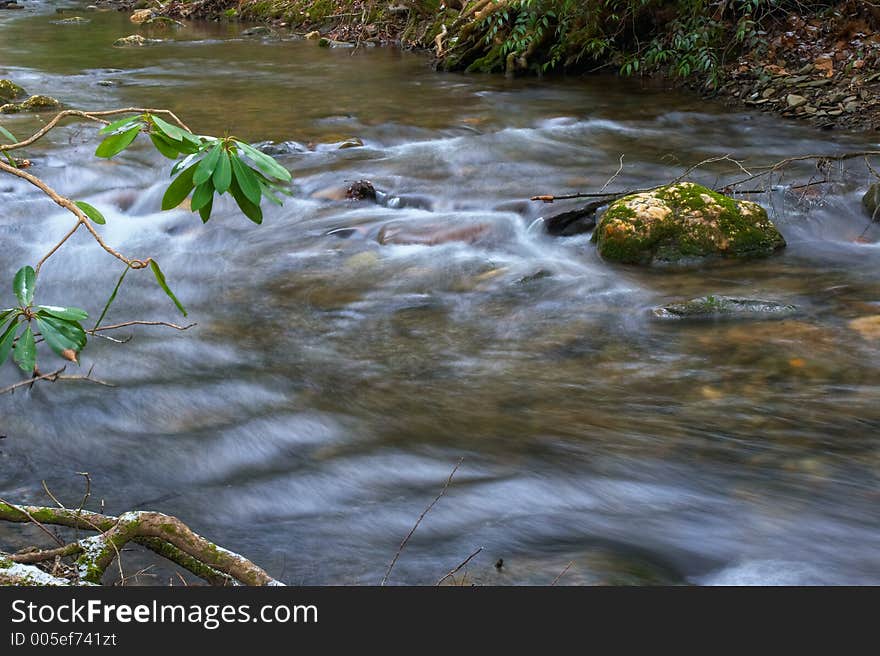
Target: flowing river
333,383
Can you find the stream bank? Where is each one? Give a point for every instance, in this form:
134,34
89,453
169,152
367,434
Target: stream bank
814,62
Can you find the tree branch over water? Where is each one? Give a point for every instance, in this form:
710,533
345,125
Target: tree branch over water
162,534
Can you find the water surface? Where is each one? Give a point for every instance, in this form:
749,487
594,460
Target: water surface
332,383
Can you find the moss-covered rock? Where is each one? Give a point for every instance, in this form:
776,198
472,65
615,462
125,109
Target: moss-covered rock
871,200
32,104
684,223
9,90
133,41
73,20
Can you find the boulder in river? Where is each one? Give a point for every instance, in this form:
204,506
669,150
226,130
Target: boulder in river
73,20
9,90
32,104
684,223
725,307
871,200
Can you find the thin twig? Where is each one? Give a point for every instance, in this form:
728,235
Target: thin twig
419,521
454,571
86,495
52,496
54,377
613,177
561,574
31,518
57,246
42,555
69,205
141,323
25,383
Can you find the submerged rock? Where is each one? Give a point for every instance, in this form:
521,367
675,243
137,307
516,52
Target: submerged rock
573,222
354,142
283,148
324,42
684,223
724,307
32,104
867,327
133,41
73,20
871,200
431,234
9,90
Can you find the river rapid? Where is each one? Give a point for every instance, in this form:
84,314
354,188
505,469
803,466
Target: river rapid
333,383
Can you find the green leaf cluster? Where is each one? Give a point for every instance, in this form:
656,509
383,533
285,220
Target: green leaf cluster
59,327
223,166
210,166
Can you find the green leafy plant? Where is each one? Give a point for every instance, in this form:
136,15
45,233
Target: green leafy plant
205,167
59,327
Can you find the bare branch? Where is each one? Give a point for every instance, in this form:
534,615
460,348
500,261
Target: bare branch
419,521
53,376
69,205
164,534
616,173
562,573
455,570
97,117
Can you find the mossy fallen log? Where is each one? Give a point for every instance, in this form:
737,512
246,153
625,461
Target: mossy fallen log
162,534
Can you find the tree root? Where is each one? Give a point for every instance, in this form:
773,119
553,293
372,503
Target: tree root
164,535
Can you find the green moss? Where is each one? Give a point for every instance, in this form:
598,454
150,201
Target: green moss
35,103
9,90
683,222
491,62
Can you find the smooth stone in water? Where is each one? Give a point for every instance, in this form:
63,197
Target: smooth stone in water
725,307
867,327
431,234
354,142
